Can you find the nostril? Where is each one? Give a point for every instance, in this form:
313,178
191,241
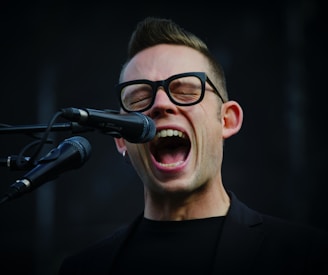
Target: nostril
158,112
154,114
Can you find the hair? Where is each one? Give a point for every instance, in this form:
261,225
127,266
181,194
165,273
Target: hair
153,31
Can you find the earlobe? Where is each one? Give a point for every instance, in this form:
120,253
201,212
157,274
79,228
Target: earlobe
120,145
232,118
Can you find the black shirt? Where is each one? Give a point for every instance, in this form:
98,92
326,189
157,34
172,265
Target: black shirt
171,247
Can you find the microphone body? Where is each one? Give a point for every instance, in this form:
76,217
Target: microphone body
134,127
72,153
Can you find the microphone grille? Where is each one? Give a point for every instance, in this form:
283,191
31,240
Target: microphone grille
82,145
149,128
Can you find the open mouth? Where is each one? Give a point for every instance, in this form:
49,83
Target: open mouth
170,147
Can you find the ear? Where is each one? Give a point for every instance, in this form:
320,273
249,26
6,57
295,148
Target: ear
120,145
232,118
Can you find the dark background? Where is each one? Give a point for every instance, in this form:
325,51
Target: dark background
65,54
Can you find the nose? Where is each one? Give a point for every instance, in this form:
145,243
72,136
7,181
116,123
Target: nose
162,104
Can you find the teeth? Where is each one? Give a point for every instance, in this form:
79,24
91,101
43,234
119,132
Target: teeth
170,133
171,164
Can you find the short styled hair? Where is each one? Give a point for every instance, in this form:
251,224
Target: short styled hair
154,31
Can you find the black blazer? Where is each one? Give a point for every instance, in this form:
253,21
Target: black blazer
251,243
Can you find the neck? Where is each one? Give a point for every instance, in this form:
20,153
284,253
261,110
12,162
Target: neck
203,203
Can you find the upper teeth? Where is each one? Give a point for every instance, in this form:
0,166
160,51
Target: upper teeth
170,133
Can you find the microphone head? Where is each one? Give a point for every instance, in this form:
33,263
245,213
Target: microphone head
82,145
149,130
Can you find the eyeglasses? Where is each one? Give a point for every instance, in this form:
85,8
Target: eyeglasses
184,89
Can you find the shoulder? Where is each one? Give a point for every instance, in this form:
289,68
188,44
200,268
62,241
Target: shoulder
243,214
278,243
293,231
276,230
99,254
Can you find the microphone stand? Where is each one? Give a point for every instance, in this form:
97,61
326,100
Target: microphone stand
28,129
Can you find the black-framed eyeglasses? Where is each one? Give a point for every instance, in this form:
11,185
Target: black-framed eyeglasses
184,89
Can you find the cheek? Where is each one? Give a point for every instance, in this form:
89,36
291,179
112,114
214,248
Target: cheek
211,132
206,122
211,105
137,156
210,114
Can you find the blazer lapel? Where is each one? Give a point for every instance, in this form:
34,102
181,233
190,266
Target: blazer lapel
240,239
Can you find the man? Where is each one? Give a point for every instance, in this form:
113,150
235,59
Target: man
190,224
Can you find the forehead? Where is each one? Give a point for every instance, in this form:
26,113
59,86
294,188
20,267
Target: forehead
162,61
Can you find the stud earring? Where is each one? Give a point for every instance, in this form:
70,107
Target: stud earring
126,157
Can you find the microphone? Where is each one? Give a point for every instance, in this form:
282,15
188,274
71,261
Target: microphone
72,153
134,127
12,162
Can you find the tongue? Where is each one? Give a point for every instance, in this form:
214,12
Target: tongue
168,156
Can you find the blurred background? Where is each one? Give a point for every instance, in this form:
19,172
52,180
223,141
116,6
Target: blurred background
57,54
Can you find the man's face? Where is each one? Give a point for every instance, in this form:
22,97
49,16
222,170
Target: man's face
187,153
